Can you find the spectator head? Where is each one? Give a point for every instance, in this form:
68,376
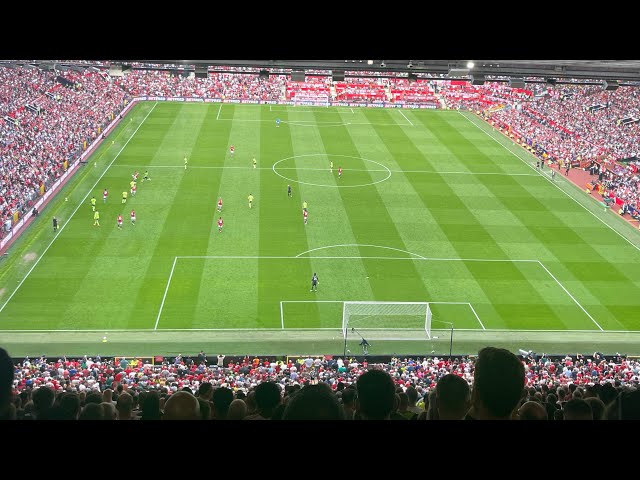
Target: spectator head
412,393
314,402
182,406
532,410
237,410
597,407
577,409
349,396
625,407
124,406
150,406
267,398
107,395
205,391
498,384
43,398
221,398
453,397
108,411
205,408
70,406
7,369
93,397
376,395
607,393
92,411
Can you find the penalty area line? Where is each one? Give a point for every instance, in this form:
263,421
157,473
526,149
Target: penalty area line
164,297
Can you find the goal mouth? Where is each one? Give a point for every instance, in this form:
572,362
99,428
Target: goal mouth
387,320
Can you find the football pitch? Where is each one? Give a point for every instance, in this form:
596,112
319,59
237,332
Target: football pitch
431,206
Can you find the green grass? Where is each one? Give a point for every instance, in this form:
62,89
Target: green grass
432,207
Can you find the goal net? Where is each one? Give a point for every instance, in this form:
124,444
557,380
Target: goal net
387,317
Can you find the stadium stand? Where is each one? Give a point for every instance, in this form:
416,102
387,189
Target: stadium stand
548,380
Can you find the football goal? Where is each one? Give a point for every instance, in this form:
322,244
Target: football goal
387,316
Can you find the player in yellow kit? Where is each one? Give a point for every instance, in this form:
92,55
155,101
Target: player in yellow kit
124,196
250,198
96,218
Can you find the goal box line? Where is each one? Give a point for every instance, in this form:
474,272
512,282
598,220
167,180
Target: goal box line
371,302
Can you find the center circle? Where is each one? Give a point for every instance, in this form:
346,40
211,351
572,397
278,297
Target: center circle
385,170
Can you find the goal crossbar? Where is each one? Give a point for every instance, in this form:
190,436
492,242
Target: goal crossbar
372,315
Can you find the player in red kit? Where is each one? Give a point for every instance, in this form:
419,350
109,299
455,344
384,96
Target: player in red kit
133,217
105,194
134,189
305,215
339,172
120,221
220,224
220,204
134,175
231,150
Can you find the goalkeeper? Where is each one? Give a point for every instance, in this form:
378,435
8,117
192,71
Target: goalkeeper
314,283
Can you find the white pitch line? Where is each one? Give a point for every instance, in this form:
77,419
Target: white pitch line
248,168
314,301
405,117
74,212
175,259
220,108
223,257
281,317
313,122
572,297
474,312
164,330
552,182
359,245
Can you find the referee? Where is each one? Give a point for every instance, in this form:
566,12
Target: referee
314,283
55,224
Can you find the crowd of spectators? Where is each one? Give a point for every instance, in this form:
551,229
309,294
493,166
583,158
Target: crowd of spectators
216,85
48,118
581,125
494,384
46,121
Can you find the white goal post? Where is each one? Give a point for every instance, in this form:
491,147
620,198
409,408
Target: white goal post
386,315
